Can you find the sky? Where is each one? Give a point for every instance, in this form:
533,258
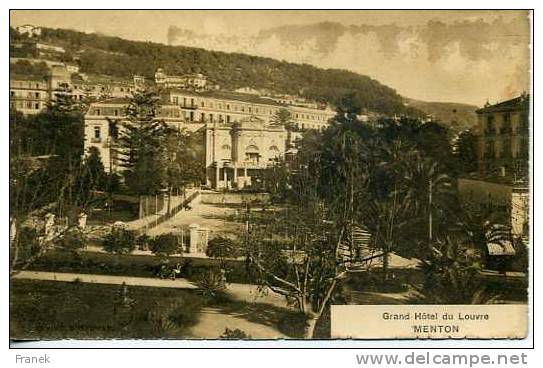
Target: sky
454,56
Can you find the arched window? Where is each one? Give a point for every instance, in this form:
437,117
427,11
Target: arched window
274,149
251,154
226,147
252,148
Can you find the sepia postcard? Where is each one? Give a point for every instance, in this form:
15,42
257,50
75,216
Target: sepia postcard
269,174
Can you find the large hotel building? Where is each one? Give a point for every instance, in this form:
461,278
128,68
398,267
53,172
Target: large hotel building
501,180
241,134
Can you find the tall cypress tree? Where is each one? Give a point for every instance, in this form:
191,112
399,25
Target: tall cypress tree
139,144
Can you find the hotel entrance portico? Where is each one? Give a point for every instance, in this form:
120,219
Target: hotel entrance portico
235,152
228,175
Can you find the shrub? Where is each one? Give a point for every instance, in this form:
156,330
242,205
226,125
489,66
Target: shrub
164,245
168,319
72,241
142,242
119,241
212,283
28,241
187,270
236,334
222,247
293,324
184,315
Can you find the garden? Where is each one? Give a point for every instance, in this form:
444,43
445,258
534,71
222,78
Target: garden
76,310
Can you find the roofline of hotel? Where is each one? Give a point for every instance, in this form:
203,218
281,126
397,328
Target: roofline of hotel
513,104
243,97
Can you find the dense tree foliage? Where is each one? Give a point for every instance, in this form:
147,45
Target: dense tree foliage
45,161
181,159
395,180
119,241
164,245
466,151
222,247
24,67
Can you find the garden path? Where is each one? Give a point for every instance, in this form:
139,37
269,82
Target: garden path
241,292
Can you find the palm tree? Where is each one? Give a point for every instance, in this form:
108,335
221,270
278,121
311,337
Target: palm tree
430,192
478,228
284,117
389,213
452,268
452,277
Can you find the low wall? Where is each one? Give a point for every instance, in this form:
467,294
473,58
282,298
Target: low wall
234,198
155,220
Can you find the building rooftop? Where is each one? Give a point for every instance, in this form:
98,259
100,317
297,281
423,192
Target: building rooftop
243,97
126,101
113,101
517,103
101,79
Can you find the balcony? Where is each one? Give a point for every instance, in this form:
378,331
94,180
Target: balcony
96,140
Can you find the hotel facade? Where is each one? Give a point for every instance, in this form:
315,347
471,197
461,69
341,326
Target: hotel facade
501,181
241,133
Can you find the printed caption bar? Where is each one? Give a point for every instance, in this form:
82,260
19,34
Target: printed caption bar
429,321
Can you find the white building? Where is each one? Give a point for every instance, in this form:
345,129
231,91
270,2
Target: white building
29,30
47,48
229,107
28,94
234,152
104,120
195,81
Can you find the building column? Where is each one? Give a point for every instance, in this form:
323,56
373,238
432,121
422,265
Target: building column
194,238
225,177
235,173
245,176
216,175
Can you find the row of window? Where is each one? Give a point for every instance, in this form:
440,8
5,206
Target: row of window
22,94
116,112
506,149
28,105
192,103
310,117
98,112
102,88
228,119
505,126
227,147
31,85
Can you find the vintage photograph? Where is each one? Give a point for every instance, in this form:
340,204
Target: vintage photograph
269,174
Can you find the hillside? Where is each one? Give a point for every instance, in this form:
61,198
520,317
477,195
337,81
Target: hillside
98,54
457,116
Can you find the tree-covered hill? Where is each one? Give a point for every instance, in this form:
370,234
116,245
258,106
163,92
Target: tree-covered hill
99,54
457,116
